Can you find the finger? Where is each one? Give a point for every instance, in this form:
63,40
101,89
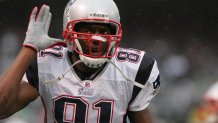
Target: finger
47,24
41,13
45,18
33,14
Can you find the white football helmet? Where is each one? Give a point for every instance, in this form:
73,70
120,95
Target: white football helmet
212,93
92,11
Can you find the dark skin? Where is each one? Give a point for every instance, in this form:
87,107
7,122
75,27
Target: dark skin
16,94
143,116
94,46
90,29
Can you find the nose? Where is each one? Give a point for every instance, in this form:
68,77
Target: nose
95,43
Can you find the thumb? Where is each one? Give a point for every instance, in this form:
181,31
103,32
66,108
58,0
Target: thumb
55,42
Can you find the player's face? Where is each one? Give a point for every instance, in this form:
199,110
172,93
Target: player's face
99,42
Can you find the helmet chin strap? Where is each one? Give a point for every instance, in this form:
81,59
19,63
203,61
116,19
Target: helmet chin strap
63,74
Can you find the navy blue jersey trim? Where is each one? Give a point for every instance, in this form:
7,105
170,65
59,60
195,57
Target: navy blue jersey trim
144,69
156,83
143,74
32,74
125,118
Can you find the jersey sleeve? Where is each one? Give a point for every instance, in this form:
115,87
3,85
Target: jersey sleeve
31,75
148,75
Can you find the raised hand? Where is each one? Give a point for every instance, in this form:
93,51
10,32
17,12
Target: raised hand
37,32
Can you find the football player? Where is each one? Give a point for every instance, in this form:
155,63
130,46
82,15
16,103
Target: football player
91,80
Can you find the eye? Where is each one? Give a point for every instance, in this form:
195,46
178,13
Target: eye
85,30
104,31
88,31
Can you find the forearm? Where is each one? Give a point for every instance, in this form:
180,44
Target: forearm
11,78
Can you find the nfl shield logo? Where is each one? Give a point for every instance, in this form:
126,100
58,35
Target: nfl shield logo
87,84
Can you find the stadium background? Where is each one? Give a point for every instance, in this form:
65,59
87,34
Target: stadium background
181,34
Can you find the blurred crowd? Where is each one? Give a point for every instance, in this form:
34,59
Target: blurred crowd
181,35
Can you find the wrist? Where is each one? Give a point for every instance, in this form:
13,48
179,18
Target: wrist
31,47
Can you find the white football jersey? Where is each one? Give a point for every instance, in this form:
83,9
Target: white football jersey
105,98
